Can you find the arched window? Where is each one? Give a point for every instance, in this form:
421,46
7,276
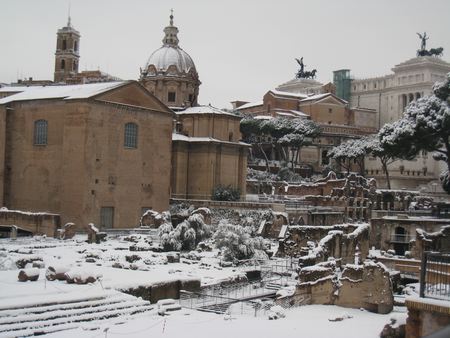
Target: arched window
63,64
40,132
131,131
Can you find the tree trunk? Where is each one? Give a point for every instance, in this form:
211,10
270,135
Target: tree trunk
361,166
385,168
293,159
265,156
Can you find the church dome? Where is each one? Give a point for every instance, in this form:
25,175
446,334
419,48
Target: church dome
169,55
170,73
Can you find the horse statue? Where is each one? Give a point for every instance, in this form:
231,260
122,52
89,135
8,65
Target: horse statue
436,51
310,74
432,52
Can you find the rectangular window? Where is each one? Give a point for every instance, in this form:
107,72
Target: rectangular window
171,96
107,217
130,136
40,132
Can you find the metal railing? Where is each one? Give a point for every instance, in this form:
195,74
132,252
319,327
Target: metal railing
435,275
218,298
222,305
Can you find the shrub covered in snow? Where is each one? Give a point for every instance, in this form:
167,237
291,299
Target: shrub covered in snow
186,235
236,243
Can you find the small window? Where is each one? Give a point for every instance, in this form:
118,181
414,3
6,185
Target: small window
75,46
107,217
40,132
330,110
64,46
63,64
171,96
131,130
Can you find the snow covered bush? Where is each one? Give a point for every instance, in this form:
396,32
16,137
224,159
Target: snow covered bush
236,242
228,193
186,235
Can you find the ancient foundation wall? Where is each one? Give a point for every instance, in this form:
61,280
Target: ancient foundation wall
36,223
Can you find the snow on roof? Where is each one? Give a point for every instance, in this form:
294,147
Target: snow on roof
263,117
7,89
316,97
66,92
321,96
205,110
282,93
180,137
250,105
290,112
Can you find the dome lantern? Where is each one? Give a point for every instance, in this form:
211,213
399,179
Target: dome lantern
170,72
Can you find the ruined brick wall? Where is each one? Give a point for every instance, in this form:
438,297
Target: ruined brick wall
338,241
36,223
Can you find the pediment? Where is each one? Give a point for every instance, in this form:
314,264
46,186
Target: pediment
134,94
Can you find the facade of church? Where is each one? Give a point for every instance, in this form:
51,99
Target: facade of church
94,153
105,152
206,148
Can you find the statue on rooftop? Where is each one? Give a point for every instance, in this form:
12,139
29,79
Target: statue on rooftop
423,44
423,39
302,74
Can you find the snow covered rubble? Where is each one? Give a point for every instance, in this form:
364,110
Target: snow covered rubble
122,265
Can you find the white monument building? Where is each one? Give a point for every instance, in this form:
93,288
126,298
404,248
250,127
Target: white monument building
389,95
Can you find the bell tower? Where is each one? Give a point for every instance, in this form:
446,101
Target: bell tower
67,53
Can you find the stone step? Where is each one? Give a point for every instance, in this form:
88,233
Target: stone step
51,317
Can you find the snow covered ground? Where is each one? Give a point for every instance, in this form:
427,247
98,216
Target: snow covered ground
150,268
306,321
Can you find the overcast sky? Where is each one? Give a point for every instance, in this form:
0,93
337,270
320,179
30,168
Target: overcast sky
241,48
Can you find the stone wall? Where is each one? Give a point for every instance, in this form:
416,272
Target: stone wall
438,241
383,234
231,205
426,316
365,286
170,289
85,164
341,241
36,223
